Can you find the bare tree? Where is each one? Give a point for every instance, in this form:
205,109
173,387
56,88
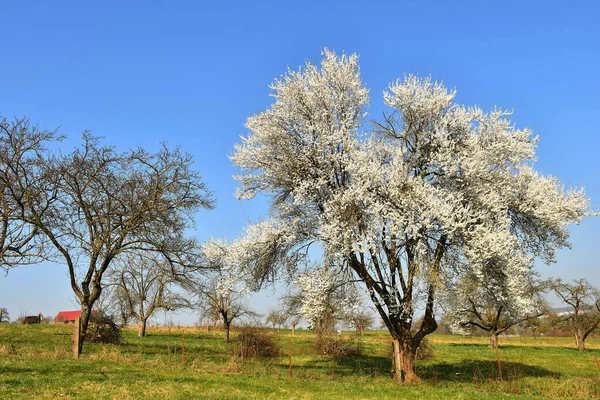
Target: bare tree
276,317
584,299
145,283
22,150
223,305
489,309
361,319
95,203
114,302
292,304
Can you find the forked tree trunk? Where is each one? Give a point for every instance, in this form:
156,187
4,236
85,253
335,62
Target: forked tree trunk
494,340
402,362
142,328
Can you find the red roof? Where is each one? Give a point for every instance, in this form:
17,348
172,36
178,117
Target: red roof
68,315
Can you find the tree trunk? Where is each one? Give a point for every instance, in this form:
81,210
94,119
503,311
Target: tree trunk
293,329
142,328
580,340
494,340
83,326
227,327
402,362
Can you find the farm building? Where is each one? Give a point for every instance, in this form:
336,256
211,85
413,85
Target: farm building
31,319
67,317
34,319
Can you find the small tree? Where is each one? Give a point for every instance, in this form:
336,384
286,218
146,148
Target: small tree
276,317
4,316
146,283
584,300
361,319
223,293
471,304
292,303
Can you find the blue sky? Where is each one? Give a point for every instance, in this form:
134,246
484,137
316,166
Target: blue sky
191,72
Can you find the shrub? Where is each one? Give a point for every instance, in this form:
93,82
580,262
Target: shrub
425,351
337,346
251,343
103,329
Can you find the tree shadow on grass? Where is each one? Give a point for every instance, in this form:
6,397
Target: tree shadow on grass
468,371
363,365
477,371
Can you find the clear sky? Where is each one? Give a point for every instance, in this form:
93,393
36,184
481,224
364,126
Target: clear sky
191,72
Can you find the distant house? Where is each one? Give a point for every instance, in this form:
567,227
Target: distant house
67,317
34,319
31,319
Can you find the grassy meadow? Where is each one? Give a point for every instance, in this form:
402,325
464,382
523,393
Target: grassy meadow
36,363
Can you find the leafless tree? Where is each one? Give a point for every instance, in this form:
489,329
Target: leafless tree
113,301
145,283
223,305
22,152
483,307
95,203
292,303
584,299
277,317
361,319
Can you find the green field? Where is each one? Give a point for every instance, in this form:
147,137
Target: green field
35,362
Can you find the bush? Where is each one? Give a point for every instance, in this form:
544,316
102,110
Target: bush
103,329
337,346
425,351
251,343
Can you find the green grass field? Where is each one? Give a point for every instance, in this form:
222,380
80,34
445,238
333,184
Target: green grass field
35,363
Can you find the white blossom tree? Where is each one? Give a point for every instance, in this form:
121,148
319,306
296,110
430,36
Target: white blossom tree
222,290
491,307
397,203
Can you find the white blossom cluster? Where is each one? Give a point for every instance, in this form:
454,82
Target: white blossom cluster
230,279
434,187
315,289
322,285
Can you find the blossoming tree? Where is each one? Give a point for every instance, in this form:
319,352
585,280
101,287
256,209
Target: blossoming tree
400,202
222,289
